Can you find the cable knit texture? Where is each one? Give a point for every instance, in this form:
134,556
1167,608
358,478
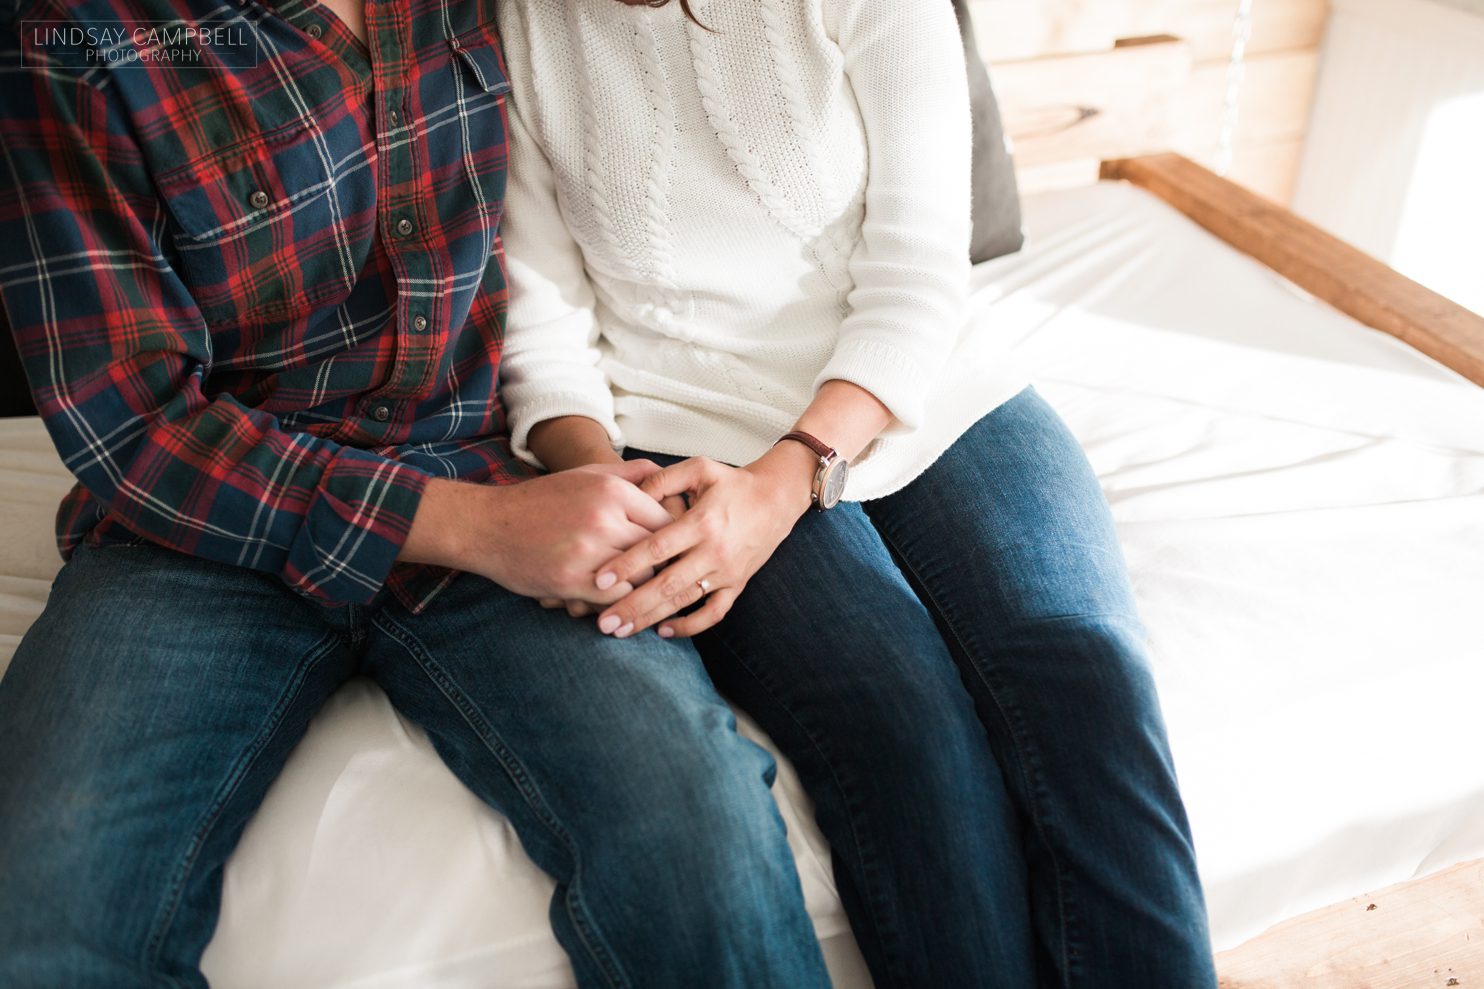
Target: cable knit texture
704,226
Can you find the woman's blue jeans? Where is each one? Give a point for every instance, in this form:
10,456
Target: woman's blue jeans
959,675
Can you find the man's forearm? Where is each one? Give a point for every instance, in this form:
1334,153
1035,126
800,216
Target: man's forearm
441,529
454,518
544,537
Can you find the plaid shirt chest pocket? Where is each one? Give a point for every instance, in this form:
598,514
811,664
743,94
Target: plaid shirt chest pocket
266,231
480,87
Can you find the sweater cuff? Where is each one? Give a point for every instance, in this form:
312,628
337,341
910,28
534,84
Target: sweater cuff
896,377
554,406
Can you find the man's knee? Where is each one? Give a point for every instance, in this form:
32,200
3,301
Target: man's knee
692,807
63,920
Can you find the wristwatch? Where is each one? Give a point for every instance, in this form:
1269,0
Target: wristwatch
830,477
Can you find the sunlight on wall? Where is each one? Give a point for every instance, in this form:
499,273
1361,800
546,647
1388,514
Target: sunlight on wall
1440,240
1394,160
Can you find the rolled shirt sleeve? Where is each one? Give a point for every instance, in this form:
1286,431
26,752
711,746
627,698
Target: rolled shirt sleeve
116,352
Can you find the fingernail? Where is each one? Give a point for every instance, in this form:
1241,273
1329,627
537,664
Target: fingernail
608,624
624,632
666,632
607,579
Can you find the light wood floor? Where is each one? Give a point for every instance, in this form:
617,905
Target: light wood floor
1424,934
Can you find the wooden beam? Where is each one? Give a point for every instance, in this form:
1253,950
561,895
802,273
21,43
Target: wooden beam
1425,932
1353,282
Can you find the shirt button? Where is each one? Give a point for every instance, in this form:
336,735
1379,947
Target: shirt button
404,227
258,199
380,413
315,31
394,116
419,323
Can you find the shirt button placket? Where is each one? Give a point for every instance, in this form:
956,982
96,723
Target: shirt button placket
412,260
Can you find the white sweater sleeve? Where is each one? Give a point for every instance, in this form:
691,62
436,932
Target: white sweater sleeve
904,61
549,367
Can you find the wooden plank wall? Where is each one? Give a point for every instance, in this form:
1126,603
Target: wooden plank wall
1030,41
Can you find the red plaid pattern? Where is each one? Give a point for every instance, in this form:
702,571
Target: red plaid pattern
260,298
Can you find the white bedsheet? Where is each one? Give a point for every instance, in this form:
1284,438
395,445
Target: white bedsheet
1302,503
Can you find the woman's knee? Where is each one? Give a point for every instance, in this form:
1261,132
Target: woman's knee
1106,654
1084,679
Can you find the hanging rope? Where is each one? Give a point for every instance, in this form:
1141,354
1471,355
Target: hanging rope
1236,72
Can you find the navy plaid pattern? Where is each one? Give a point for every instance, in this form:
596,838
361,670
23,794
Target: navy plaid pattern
260,305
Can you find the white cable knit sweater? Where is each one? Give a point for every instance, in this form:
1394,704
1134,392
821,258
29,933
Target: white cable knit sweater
703,227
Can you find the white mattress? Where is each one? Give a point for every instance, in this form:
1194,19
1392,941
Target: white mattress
1302,502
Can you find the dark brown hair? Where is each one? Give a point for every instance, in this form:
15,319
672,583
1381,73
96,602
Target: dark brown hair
684,5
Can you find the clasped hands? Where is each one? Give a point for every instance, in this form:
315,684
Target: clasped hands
641,557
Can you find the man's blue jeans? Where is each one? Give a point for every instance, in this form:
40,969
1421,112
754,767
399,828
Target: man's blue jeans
958,673
148,710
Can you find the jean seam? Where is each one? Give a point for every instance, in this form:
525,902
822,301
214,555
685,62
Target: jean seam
161,928
867,862
582,922
1024,754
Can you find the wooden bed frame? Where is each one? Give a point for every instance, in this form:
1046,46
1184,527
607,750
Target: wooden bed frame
1428,932
1353,282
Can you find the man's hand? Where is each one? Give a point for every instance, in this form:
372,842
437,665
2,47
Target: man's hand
570,442
543,538
577,608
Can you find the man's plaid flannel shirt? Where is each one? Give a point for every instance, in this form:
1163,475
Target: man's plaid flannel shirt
260,298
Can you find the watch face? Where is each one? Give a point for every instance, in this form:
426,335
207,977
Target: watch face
834,484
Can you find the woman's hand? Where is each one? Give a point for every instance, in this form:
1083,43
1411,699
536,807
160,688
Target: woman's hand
738,517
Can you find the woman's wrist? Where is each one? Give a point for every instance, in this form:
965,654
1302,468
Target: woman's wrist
787,472
571,441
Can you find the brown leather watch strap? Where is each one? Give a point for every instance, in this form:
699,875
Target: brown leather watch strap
814,443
